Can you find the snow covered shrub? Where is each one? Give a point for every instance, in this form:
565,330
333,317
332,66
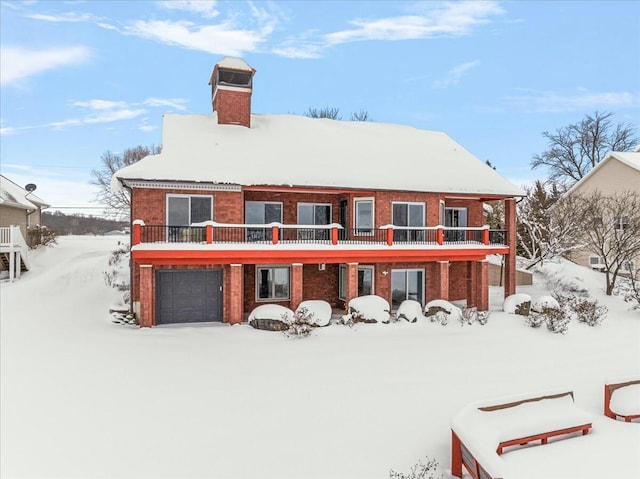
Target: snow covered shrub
118,276
40,236
271,317
557,320
560,285
441,311
120,317
544,302
319,312
441,317
629,289
472,315
535,319
302,323
587,310
369,309
420,470
519,303
409,310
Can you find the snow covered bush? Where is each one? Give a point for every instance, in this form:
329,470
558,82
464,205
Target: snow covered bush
409,310
587,310
439,310
535,319
519,303
629,289
271,317
318,311
40,236
543,302
472,315
118,275
302,323
557,320
369,309
420,470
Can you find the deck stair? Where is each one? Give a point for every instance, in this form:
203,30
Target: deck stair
14,252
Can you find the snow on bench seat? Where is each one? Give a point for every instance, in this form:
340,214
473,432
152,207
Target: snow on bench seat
622,399
482,431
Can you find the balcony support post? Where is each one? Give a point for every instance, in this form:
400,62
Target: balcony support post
334,236
485,235
352,282
440,236
275,234
390,236
442,280
235,293
136,234
296,285
482,285
209,234
510,259
147,289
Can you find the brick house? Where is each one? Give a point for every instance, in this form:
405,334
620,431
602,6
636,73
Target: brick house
241,209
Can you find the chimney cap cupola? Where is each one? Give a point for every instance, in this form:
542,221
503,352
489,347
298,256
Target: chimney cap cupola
231,87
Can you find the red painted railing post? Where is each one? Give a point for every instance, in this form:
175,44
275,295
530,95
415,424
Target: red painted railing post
209,234
440,236
137,233
334,235
275,234
485,236
390,236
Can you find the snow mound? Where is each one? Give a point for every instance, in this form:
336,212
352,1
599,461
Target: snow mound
545,302
410,310
512,303
626,400
451,309
369,309
272,317
319,311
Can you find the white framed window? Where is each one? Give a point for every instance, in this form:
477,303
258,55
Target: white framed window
628,266
272,283
366,280
314,214
363,216
408,214
406,284
261,212
595,260
183,210
622,223
455,218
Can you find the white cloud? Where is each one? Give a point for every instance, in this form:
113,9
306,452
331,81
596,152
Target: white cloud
70,17
450,18
176,103
17,64
455,74
221,39
205,8
554,102
99,104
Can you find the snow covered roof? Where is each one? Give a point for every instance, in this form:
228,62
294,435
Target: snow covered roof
289,150
234,64
13,195
631,159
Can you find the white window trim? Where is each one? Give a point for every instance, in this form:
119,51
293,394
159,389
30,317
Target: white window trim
457,208
355,215
373,276
176,195
257,282
442,209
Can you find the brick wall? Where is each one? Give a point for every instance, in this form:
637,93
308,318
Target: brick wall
458,280
233,107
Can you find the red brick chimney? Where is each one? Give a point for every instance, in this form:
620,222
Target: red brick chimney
231,85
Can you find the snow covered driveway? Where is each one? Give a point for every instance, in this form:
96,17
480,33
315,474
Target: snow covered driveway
83,397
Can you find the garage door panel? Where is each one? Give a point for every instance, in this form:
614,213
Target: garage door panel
187,296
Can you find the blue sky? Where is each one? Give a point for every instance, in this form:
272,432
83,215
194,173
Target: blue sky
82,77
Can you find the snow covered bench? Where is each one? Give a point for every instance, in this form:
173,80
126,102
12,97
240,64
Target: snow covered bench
622,400
481,431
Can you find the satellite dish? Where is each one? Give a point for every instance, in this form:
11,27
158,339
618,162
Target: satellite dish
30,187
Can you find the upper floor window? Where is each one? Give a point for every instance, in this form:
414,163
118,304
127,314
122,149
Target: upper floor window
261,212
314,214
455,218
363,216
183,210
408,214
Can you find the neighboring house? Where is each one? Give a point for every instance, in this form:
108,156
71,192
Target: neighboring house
616,173
241,209
19,209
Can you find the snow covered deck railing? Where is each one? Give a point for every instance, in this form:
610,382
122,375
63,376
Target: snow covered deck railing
13,244
333,234
622,400
481,431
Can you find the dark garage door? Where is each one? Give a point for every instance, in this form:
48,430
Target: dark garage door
188,296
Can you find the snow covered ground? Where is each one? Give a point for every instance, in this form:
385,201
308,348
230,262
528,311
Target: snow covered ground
81,396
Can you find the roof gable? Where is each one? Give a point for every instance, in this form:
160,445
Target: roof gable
630,159
14,195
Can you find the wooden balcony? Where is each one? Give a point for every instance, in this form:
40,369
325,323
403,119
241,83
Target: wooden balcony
278,242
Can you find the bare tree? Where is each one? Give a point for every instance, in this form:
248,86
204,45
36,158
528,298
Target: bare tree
117,203
574,150
539,236
326,112
609,226
362,115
